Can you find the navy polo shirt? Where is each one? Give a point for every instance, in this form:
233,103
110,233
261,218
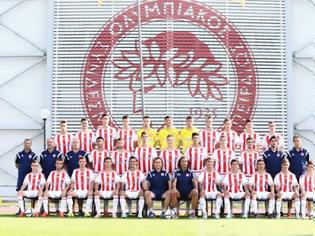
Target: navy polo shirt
158,182
25,160
72,160
47,161
298,161
273,161
184,183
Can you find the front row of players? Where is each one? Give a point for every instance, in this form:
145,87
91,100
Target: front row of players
170,188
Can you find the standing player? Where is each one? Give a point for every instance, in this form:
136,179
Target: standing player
107,187
57,186
34,182
48,158
235,187
248,158
170,155
307,186
81,187
208,136
145,154
222,157
185,187
195,154
249,132
63,139
120,157
272,132
166,130
107,132
259,185
158,186
231,136
208,181
132,187
287,188
185,134
128,135
152,133
85,136
98,156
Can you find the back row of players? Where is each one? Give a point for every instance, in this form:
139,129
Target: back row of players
196,149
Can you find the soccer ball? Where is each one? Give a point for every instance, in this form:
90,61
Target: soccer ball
29,212
169,214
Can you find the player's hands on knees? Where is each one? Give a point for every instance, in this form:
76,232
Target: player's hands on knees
194,191
173,190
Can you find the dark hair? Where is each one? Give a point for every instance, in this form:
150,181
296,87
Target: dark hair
285,161
234,160
59,159
271,122
158,158
146,117
83,119
81,158
107,158
63,122
309,163
247,121
143,133
133,157
272,137
103,115
260,160
194,134
179,161
125,117
249,138
189,118
167,117
169,135
296,137
226,120
98,138
34,161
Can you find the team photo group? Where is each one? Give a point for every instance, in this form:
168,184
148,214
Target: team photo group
196,166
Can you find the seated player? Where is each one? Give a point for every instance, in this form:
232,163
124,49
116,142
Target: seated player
158,186
287,188
34,182
184,187
170,155
249,158
57,186
259,185
208,180
235,188
81,187
307,186
107,187
132,187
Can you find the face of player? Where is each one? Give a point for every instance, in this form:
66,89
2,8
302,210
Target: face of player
274,143
59,165
223,142
100,143
250,144
126,122
169,122
195,139
285,166
108,164
120,144
63,127
209,164
249,126
133,164
184,164
261,166
158,164
272,127
50,143
82,163
34,167
227,125
75,143
209,123
235,167
84,124
144,139
297,143
170,142
105,121
146,123
189,123
27,145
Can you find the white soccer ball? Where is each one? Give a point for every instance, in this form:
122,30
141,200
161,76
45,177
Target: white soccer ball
169,214
29,212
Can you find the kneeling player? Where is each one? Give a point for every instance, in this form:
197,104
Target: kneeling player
34,182
81,187
259,185
107,187
287,188
57,186
132,185
235,183
185,187
158,186
208,180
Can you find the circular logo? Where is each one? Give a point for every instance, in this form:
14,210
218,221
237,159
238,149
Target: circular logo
191,62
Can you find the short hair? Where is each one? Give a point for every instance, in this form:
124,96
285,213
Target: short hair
125,117
167,117
309,163
194,134
249,138
35,161
209,117
146,117
27,139
63,122
271,122
143,133
103,115
133,158
158,158
284,161
83,119
98,138
189,118
82,158
107,158
234,161
226,120
169,136
260,160
59,159
272,137
119,139
296,137
247,121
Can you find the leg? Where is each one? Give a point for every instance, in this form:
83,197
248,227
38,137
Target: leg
140,204
254,206
88,206
167,198
271,208
203,205
227,205
246,205
218,205
278,205
148,200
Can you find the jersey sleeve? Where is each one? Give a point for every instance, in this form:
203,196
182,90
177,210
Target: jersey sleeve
277,180
200,177
92,177
142,176
26,180
251,181
90,157
134,136
233,155
270,181
49,178
124,177
117,178
226,180
73,177
42,180
244,180
154,153
187,153
67,178
215,155
98,179
168,178
294,181
241,158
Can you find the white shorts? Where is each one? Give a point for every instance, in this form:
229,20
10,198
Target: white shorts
262,195
132,194
287,195
81,193
211,195
54,194
237,196
30,193
106,194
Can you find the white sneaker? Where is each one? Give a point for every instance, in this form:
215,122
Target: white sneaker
245,216
217,216
297,217
204,215
123,215
278,216
98,215
228,216
114,215
140,216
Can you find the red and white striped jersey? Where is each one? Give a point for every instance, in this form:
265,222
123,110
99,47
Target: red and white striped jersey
34,181
86,140
109,135
232,139
235,182
195,156
145,156
130,137
208,139
209,180
170,159
82,180
286,182
107,180
261,182
120,161
266,140
307,183
222,160
133,180
248,161
63,142
97,159
58,180
244,136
